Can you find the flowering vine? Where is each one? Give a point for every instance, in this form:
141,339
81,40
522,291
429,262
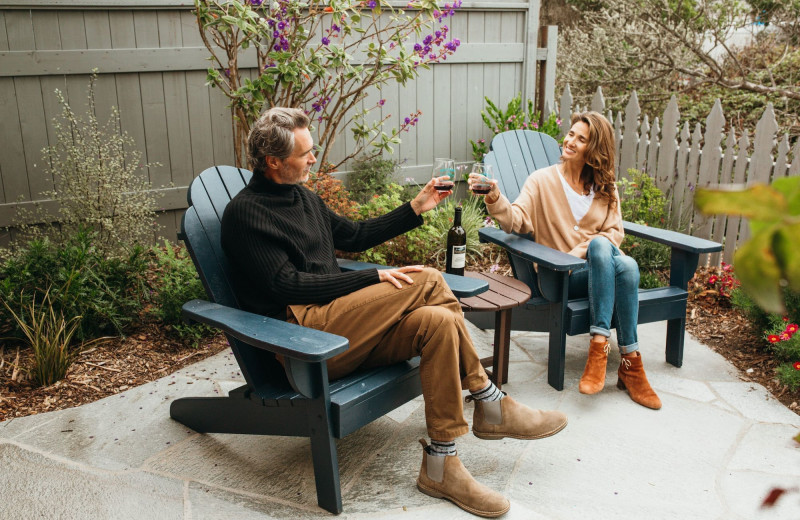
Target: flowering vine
325,56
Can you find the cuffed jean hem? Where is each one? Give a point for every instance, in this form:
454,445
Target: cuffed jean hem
628,349
599,330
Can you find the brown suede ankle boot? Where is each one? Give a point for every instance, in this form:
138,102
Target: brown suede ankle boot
594,375
446,477
631,376
507,418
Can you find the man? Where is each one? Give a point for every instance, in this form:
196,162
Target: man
282,237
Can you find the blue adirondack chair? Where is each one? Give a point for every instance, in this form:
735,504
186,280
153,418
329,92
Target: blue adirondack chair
298,400
514,155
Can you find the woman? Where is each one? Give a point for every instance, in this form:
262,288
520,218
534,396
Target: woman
573,206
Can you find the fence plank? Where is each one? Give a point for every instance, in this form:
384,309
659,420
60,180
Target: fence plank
598,101
735,224
679,186
618,141
565,109
643,144
692,170
725,177
794,169
665,171
630,136
708,173
45,28
761,160
781,161
652,154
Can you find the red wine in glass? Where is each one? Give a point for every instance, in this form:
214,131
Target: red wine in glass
481,189
444,186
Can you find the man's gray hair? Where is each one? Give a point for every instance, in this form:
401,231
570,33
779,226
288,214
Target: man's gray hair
273,136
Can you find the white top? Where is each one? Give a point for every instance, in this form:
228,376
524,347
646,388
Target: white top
579,204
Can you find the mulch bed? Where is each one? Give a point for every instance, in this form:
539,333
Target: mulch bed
102,370
149,354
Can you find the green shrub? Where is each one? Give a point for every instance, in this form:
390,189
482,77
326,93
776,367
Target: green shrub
370,177
99,182
642,202
514,117
176,282
789,375
49,334
413,247
80,281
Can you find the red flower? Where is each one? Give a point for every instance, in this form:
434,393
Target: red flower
713,279
772,338
786,318
792,328
785,336
329,9
796,365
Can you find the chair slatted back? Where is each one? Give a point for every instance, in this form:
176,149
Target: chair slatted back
208,196
515,155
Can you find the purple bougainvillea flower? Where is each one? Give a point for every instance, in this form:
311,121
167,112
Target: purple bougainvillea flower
417,47
407,120
371,4
381,102
325,41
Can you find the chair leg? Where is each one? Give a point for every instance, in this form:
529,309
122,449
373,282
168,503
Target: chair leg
502,344
556,357
323,453
676,331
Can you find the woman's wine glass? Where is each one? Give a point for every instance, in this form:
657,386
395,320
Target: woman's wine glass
480,178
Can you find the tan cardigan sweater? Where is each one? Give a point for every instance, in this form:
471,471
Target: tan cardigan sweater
542,209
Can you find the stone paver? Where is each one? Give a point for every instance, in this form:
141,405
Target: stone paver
713,452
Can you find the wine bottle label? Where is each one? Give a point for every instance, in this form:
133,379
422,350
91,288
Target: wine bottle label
459,256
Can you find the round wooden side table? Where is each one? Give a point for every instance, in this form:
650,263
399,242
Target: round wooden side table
503,295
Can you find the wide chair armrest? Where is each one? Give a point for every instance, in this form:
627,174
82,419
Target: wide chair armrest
279,337
673,239
461,286
529,250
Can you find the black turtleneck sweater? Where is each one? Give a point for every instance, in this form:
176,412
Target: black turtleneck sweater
281,238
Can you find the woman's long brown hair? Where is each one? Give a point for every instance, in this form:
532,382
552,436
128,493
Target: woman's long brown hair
598,172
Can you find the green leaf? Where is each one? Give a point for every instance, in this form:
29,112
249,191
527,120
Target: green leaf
790,187
787,253
759,202
759,272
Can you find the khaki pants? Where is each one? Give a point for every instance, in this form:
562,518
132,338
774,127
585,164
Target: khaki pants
386,325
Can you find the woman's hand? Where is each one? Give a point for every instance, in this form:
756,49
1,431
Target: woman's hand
394,276
494,192
429,197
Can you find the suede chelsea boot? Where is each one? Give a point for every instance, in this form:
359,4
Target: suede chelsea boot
446,477
594,375
632,377
508,418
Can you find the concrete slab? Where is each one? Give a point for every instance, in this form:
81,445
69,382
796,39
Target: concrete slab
35,485
713,452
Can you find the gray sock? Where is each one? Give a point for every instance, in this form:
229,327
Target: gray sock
488,393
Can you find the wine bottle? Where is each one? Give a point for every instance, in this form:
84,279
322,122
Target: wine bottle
456,246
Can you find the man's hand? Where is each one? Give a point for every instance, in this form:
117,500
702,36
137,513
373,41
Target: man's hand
395,275
428,198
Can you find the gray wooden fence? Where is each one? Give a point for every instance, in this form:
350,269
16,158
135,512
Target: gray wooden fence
152,62
681,159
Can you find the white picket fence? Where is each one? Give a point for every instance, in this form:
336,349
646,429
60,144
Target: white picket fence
681,160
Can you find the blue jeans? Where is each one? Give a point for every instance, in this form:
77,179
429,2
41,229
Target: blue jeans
611,280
